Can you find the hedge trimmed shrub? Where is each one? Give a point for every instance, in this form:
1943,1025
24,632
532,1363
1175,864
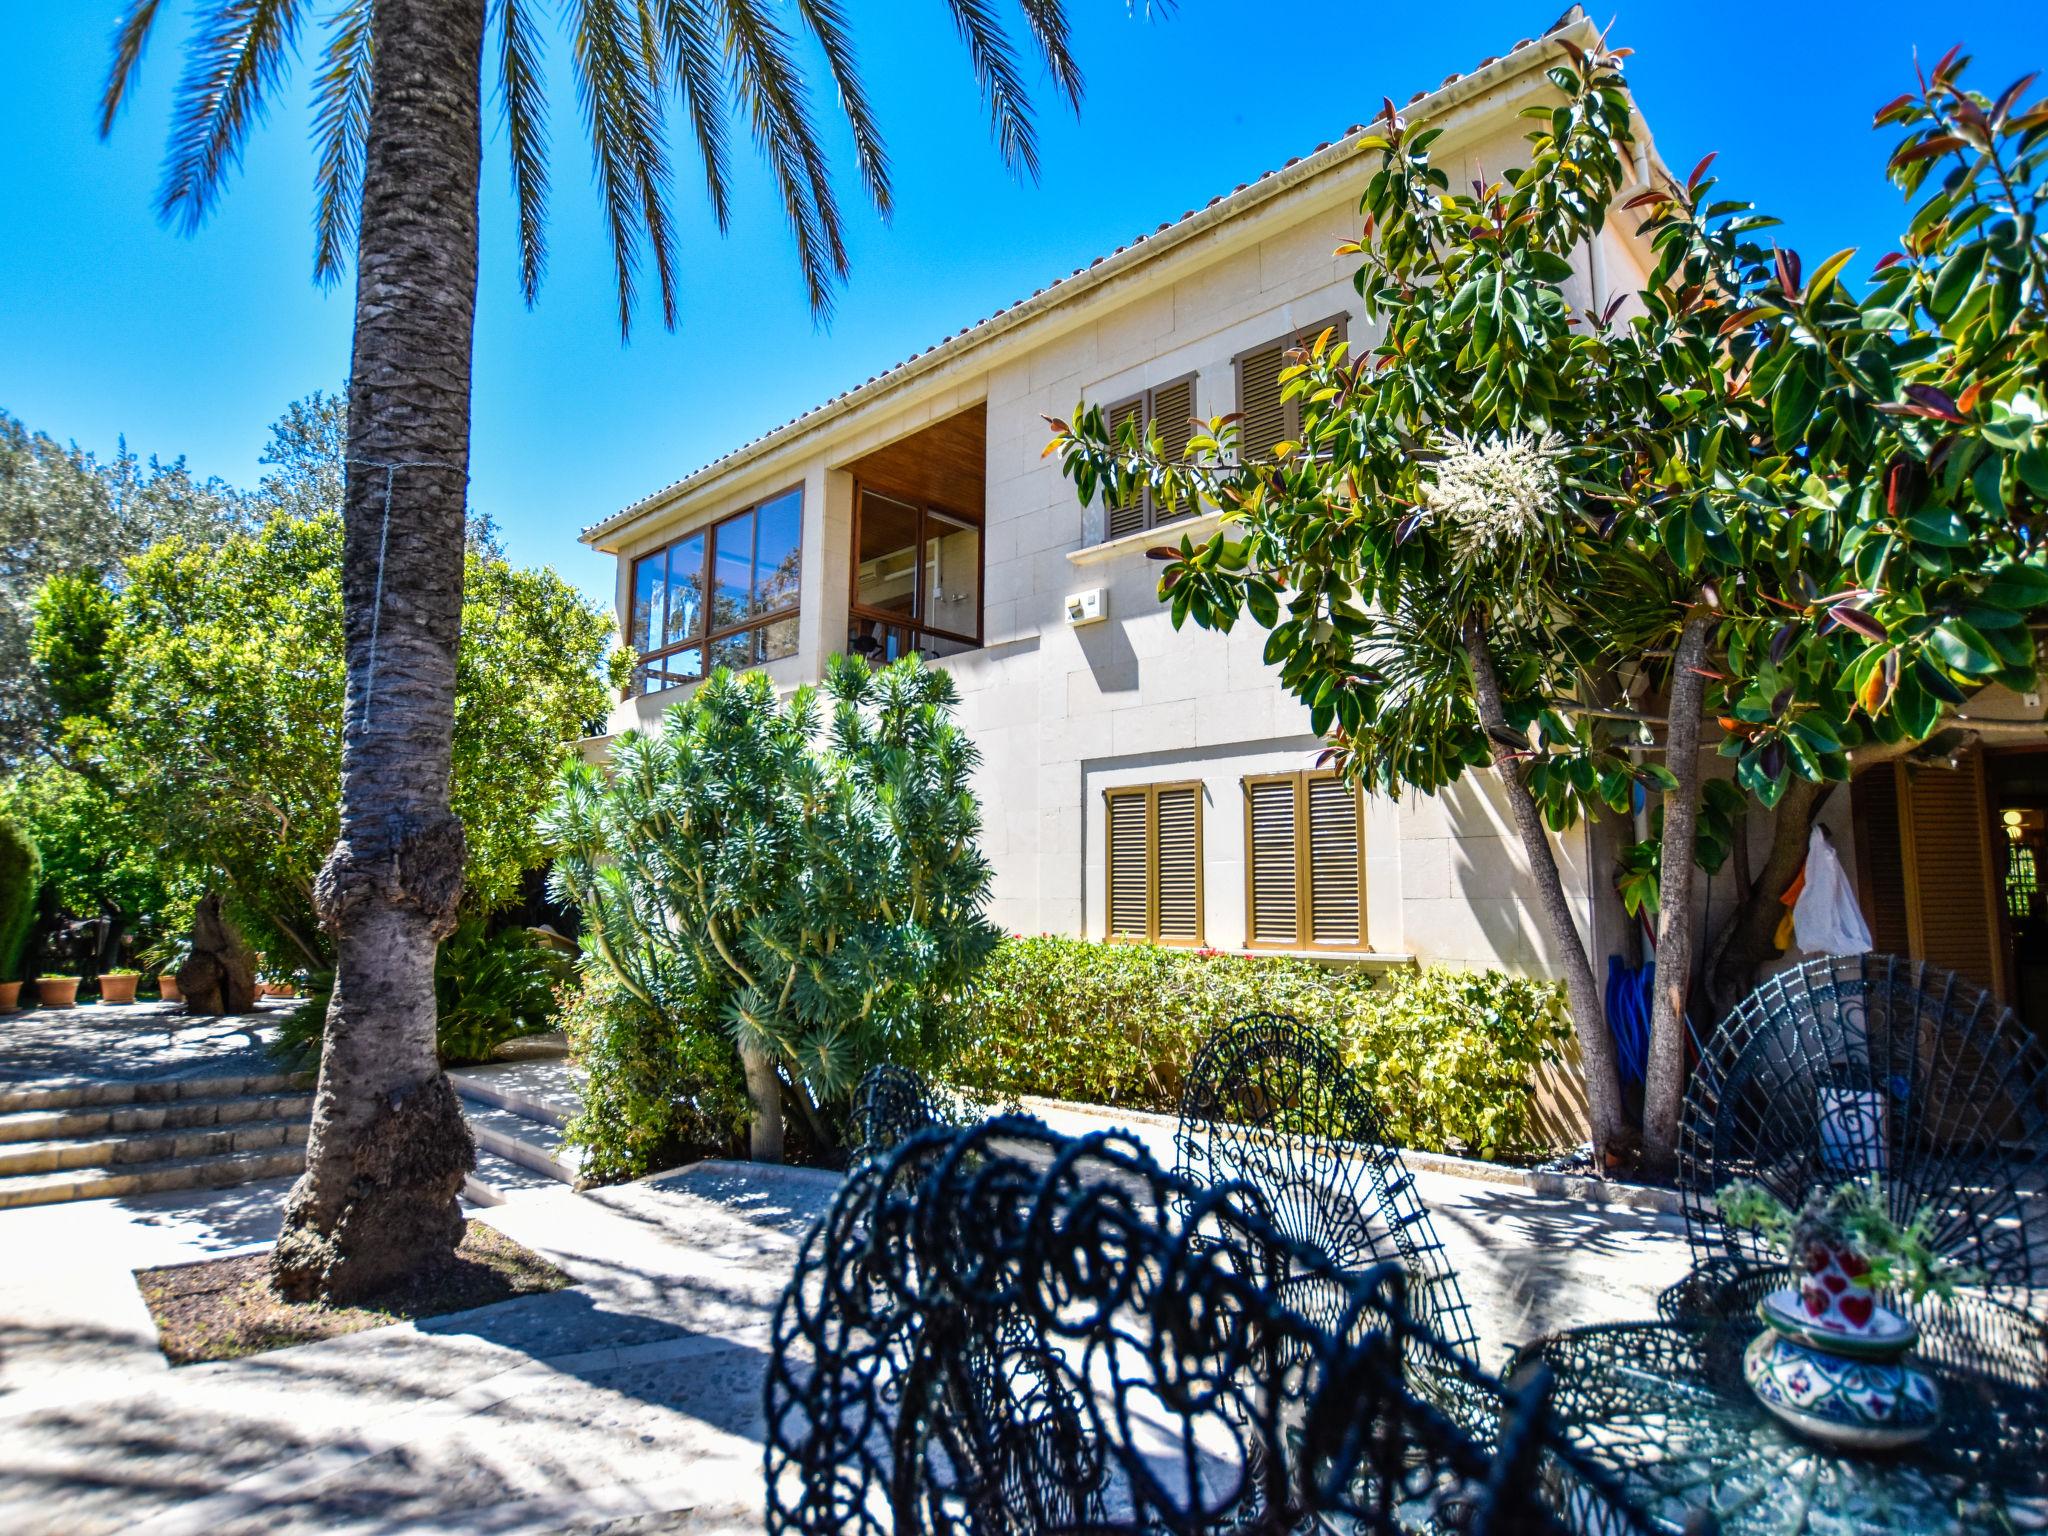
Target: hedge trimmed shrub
1449,1054
21,878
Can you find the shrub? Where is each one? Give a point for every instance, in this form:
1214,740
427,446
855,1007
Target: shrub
659,1090
21,878
1449,1054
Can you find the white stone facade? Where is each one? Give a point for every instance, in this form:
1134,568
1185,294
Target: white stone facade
1062,713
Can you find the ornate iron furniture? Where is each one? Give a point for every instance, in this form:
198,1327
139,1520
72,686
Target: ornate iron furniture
1872,1064
890,1104
1269,1103
1002,1330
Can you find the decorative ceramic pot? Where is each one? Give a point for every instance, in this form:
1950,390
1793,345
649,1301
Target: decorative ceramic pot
10,996
167,988
1862,1404
57,991
1834,1293
118,989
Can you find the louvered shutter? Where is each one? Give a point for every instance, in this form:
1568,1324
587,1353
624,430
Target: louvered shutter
1178,858
1129,874
1127,517
1952,893
1333,862
1270,849
1258,400
1173,411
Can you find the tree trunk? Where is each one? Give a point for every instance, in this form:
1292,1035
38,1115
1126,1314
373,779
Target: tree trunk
1664,1079
764,1097
1614,1142
389,1146
1750,937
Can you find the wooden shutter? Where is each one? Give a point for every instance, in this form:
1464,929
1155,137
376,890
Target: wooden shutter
1334,863
1177,843
1951,885
1126,517
1272,892
1880,859
1129,860
1259,402
1172,411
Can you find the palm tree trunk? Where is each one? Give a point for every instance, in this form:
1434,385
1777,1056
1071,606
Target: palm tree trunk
1664,1079
1614,1140
389,1146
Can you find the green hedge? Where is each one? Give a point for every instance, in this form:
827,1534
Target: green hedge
1450,1055
21,877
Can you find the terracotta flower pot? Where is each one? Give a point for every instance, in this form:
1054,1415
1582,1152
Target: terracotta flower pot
57,991
10,996
167,988
118,989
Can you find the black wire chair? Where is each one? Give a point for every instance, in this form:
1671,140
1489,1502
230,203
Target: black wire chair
1853,1065
1003,1330
891,1103
1269,1103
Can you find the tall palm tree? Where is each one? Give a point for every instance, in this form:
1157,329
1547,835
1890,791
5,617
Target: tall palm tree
399,108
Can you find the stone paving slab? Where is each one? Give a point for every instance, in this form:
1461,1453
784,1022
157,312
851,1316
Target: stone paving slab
99,1042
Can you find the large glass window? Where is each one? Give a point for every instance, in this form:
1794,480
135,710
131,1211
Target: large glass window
724,596
916,579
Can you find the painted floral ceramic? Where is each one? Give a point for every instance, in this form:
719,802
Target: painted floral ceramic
1886,1336
1834,1291
1863,1404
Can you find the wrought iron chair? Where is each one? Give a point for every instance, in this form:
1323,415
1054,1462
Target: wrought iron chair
1003,1330
1269,1103
1874,1064
889,1104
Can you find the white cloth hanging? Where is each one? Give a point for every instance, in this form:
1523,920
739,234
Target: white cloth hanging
1827,919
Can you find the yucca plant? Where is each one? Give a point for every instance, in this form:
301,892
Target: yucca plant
803,871
399,116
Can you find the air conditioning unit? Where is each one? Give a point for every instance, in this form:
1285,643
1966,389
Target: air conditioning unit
1088,607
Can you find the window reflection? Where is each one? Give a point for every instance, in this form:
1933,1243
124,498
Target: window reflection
916,580
725,596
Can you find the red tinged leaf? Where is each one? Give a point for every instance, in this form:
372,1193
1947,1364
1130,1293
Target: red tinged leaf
1967,401
1934,400
1738,320
1891,259
1171,579
1787,264
1940,144
1946,60
1057,425
1894,491
1648,199
2033,117
2011,94
1692,182
1162,552
1858,620
1890,107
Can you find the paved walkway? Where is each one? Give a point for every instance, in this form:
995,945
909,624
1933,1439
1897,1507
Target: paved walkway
627,1403
135,1041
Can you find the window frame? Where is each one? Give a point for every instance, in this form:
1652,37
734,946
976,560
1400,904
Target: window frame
1151,794
1304,941
706,636
1146,401
914,621
1290,420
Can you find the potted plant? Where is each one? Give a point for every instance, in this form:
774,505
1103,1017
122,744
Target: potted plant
57,991
1830,1361
10,997
118,985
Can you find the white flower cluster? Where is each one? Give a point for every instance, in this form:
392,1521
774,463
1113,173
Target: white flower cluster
1493,498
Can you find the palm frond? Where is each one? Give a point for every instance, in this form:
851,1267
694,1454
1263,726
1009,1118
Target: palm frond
522,98
1002,86
696,62
778,104
828,24
622,108
1047,20
341,129
239,52
129,39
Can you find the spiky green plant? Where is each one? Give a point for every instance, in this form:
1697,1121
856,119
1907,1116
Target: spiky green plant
804,871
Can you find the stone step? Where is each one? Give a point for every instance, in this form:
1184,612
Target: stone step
148,1147
127,1119
216,1172
497,1179
162,1090
548,1089
532,1144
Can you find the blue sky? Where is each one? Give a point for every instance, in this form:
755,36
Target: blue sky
112,324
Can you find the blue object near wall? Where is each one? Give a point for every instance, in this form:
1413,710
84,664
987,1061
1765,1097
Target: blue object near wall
1629,991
